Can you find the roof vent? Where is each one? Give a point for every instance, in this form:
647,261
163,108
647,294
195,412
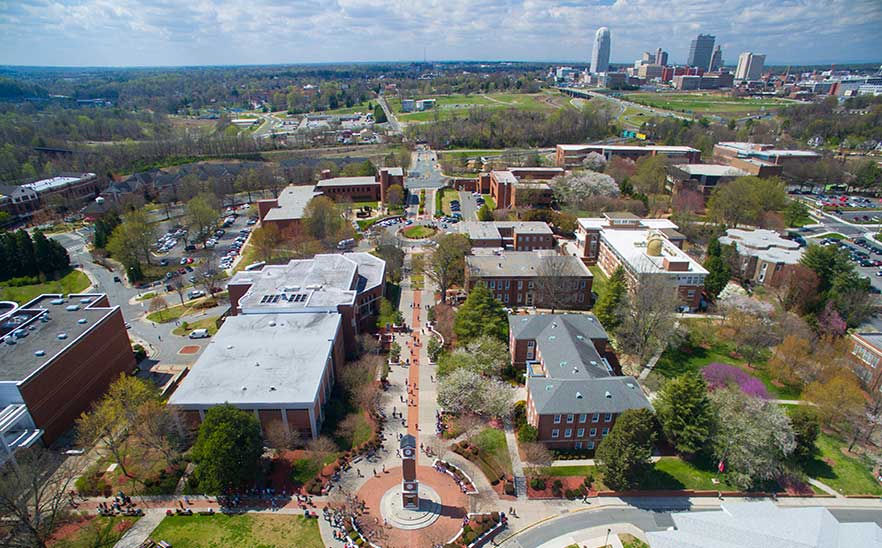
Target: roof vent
563,364
10,340
608,395
57,301
578,395
272,323
548,388
553,325
272,388
72,308
256,364
631,385
62,336
229,347
40,353
551,338
575,370
580,337
244,388
81,321
593,362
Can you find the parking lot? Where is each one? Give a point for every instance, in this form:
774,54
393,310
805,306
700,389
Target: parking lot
866,256
849,208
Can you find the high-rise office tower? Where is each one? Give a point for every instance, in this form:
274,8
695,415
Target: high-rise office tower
750,66
700,51
716,61
600,55
661,57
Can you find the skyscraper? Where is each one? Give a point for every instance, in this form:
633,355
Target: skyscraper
750,66
700,51
600,55
661,57
716,61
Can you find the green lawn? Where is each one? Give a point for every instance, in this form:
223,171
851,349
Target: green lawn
691,358
563,471
489,201
848,475
97,531
209,323
360,107
447,195
492,442
303,470
221,531
449,105
831,235
676,473
598,285
705,103
469,153
418,232
73,282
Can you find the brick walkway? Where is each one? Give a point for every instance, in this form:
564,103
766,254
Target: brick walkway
450,522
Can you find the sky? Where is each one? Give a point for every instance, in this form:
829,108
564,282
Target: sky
233,32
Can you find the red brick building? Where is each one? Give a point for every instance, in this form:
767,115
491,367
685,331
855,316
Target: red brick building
289,332
575,390
514,235
643,248
761,160
573,155
866,353
286,212
361,189
70,189
522,187
542,279
59,355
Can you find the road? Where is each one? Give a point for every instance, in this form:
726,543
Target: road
425,171
623,103
391,119
646,519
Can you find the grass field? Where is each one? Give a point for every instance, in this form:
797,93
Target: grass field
96,531
848,475
564,471
418,232
691,358
492,442
705,103
598,285
447,195
209,323
220,531
360,107
447,105
73,282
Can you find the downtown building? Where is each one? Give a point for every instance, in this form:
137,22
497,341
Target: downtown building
575,389
644,248
701,51
282,348
58,355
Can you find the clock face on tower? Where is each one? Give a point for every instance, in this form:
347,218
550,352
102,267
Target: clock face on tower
407,452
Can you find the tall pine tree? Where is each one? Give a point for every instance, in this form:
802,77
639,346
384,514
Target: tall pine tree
609,303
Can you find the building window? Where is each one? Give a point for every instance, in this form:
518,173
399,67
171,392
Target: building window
605,432
595,417
492,284
555,433
570,418
578,445
557,419
583,417
580,433
520,284
590,445
505,297
507,284
568,433
607,417
583,284
593,432
530,285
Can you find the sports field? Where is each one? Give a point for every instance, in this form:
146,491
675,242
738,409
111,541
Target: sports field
447,105
706,103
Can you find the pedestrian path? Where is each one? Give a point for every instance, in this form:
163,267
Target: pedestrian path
825,488
141,530
517,467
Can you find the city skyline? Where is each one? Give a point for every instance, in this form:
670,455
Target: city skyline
232,32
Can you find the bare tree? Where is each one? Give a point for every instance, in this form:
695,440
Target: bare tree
157,304
281,438
178,285
34,494
647,317
557,284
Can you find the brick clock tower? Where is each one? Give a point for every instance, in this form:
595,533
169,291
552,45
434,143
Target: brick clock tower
409,484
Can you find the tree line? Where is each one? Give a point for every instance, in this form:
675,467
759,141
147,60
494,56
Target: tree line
26,256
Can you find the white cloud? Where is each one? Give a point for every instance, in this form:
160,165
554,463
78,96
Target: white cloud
145,32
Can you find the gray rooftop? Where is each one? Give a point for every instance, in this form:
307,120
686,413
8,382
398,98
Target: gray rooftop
609,395
318,284
346,181
292,202
754,524
764,244
262,359
394,171
43,322
873,339
521,264
712,170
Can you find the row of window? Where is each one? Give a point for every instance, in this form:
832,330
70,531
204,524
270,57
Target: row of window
571,418
580,433
866,356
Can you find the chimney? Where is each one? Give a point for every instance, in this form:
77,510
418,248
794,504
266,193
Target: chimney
326,174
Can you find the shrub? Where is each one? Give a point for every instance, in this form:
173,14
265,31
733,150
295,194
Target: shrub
509,488
140,353
537,484
527,434
722,374
519,415
185,326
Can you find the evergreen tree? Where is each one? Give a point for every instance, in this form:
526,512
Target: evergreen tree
718,269
623,455
685,412
227,449
806,428
608,304
379,115
481,314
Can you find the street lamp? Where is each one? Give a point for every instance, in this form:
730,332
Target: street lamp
606,542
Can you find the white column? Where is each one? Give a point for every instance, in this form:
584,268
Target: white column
312,424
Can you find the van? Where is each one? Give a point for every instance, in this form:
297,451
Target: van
346,244
199,334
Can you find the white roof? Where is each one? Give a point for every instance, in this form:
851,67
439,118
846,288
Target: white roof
56,182
347,181
754,524
764,244
597,223
272,360
657,148
712,170
506,177
630,245
292,202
